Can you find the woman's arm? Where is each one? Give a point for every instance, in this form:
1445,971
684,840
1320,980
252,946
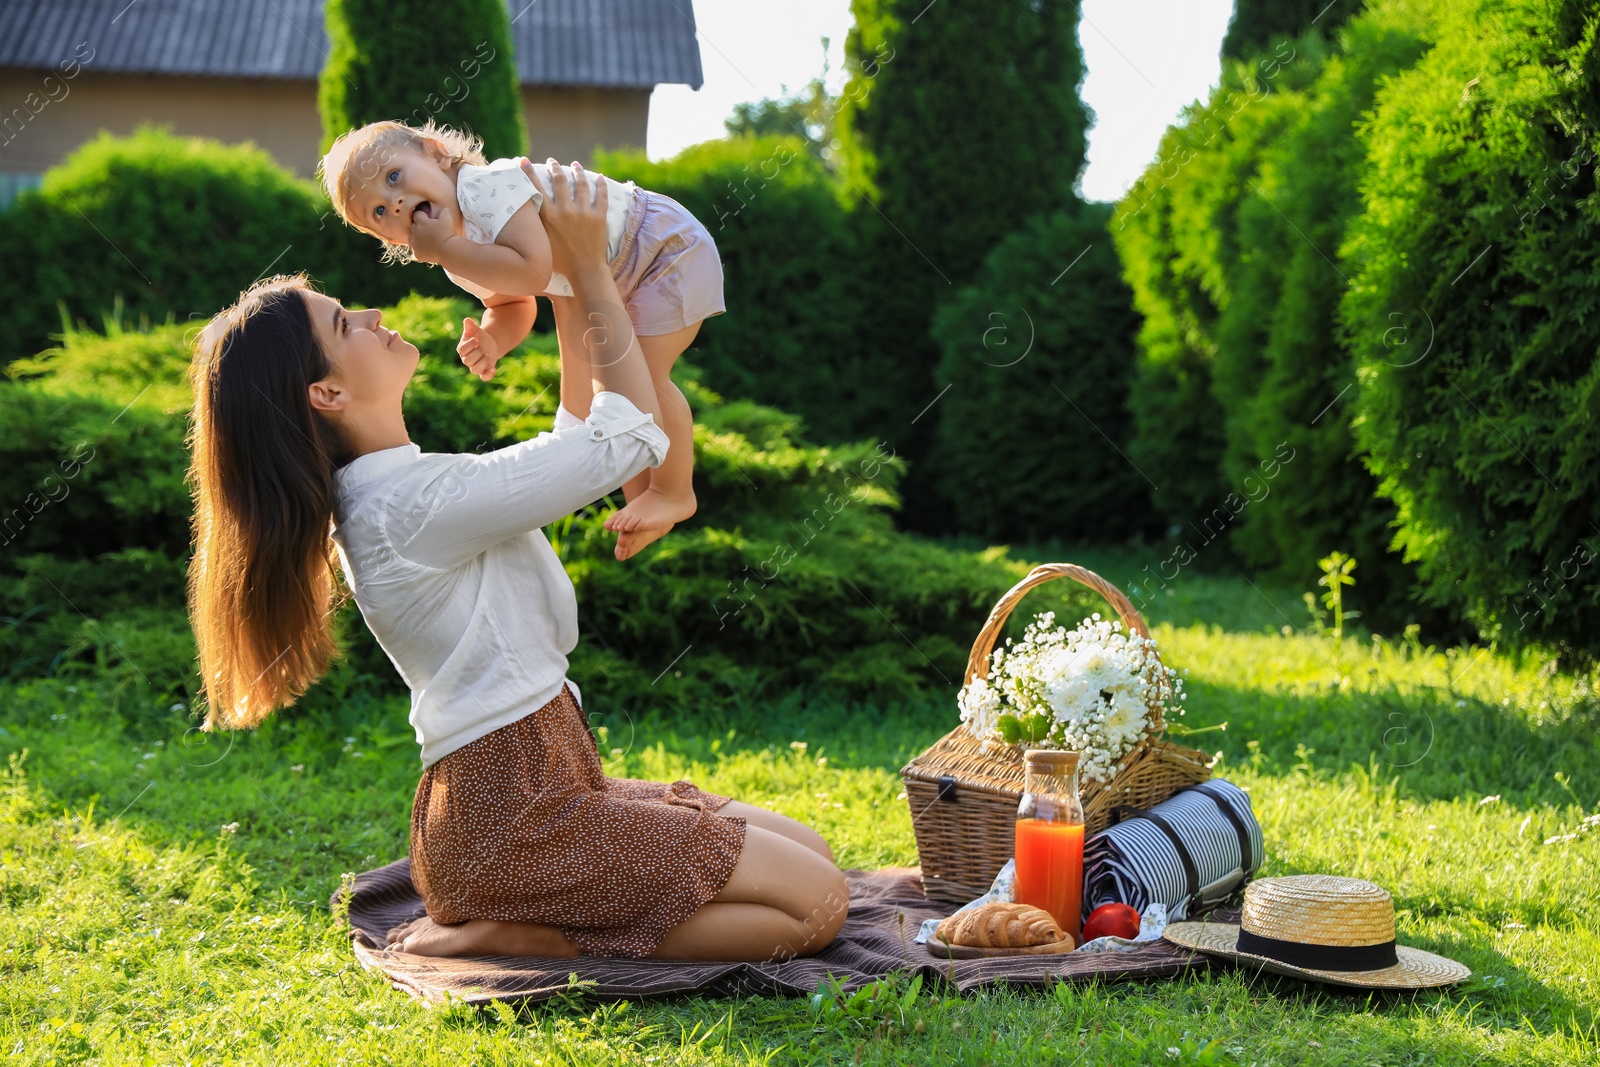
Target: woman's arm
575,220
476,501
480,500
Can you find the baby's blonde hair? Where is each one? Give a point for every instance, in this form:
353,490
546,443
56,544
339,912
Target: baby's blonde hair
336,166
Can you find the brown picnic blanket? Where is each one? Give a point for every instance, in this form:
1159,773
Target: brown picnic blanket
879,936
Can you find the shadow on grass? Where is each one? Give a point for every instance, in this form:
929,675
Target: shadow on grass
312,801
1498,990
322,792
1439,746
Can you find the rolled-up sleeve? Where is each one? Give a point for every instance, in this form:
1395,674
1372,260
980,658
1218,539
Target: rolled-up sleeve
464,509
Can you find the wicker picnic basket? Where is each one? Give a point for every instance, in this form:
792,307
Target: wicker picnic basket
964,801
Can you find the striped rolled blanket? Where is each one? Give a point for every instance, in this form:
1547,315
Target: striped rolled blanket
1191,851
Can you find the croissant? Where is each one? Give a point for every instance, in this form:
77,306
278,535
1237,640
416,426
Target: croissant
999,924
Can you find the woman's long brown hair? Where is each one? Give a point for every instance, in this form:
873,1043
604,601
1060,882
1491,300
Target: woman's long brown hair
263,579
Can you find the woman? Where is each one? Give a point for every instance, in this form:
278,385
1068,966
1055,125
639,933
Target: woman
519,843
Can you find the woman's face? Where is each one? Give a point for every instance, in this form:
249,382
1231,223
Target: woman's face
371,363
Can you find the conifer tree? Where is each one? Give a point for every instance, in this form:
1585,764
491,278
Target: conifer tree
960,121
414,60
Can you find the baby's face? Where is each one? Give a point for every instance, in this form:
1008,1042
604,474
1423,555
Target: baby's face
392,185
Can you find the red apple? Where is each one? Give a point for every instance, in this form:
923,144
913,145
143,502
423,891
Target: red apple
1111,920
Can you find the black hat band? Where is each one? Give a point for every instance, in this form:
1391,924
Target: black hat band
1320,957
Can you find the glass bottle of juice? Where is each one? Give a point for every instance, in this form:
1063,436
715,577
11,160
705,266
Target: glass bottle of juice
1049,842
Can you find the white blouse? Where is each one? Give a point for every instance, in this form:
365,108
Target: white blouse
452,573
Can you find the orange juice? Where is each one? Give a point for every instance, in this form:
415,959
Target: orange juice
1049,858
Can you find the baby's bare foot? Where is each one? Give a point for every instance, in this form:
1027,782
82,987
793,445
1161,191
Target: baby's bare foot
480,937
652,510
631,541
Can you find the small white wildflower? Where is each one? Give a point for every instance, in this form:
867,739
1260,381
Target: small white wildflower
230,828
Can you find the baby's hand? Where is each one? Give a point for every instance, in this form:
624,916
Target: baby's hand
478,349
429,233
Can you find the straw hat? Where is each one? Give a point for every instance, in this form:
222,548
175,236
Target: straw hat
1318,926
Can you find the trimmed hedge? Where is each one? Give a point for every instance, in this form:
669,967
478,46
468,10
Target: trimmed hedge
169,228
1484,238
790,578
1038,359
414,60
1283,376
1177,233
960,127
1237,238
1413,313
953,131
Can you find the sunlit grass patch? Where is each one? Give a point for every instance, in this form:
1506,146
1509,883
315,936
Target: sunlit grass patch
163,894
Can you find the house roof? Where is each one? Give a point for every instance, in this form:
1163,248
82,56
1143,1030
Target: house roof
633,44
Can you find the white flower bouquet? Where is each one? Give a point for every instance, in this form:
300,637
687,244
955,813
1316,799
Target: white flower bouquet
1089,690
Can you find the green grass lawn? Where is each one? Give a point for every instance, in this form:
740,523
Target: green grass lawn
165,891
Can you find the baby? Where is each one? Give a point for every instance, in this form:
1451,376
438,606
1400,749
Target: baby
428,194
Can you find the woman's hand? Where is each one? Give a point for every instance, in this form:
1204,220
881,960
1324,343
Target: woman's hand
574,215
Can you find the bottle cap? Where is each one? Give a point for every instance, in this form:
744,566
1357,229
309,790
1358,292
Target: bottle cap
1051,760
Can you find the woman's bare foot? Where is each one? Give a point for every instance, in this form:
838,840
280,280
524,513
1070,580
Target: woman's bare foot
652,509
480,937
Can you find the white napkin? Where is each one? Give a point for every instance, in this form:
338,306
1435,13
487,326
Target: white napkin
1151,923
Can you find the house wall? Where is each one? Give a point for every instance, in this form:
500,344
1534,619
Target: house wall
36,131
280,116
569,123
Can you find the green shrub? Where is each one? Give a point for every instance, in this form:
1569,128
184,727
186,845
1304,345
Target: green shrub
1232,241
789,578
121,615
85,474
171,229
1258,24
1483,236
959,127
1034,428
954,128
1176,231
415,60
1282,375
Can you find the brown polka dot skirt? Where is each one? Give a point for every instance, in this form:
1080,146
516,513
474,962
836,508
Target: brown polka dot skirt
523,825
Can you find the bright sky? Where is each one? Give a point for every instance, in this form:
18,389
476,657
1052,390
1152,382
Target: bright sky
1146,59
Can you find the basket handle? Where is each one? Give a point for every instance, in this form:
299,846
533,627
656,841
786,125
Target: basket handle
978,661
